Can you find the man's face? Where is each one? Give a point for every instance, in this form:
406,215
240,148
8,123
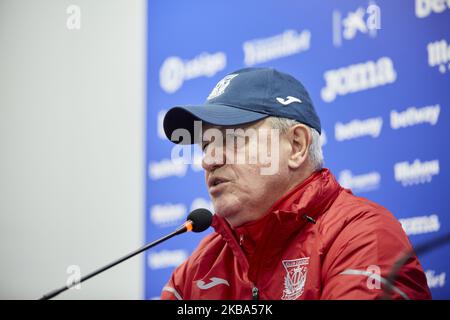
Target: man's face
243,179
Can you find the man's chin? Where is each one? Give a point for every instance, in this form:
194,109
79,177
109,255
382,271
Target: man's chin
223,213
226,213
234,220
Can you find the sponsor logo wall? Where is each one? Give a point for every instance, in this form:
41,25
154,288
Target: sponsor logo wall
378,73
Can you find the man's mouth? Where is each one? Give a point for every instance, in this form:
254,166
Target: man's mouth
214,184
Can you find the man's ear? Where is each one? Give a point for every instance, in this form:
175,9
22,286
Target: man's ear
300,139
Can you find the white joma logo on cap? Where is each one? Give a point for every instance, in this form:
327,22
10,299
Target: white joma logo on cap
214,282
288,100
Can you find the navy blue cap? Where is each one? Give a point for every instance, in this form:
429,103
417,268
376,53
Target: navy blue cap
246,96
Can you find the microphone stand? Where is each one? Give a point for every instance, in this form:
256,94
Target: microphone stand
424,248
55,292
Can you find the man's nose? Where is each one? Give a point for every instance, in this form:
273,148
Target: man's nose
213,158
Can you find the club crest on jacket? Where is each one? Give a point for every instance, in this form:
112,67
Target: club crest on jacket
294,281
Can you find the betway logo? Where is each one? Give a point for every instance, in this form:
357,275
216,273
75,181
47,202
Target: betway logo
174,214
359,183
358,77
435,280
413,116
167,168
416,172
439,55
288,43
358,128
166,259
174,71
168,214
420,225
425,7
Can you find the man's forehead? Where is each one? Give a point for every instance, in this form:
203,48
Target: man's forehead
257,124
248,129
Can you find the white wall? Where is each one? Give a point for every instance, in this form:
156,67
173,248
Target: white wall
72,116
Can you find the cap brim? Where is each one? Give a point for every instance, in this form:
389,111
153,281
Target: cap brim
183,117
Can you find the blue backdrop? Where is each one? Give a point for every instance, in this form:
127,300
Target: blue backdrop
379,76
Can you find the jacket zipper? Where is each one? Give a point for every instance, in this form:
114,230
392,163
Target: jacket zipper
255,293
255,290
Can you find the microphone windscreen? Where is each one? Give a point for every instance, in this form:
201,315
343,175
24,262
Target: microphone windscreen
201,219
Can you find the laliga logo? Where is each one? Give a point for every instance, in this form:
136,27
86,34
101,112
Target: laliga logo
354,22
175,71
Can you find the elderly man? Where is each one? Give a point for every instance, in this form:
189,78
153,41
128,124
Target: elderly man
286,233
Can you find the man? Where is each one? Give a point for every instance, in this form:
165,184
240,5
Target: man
292,233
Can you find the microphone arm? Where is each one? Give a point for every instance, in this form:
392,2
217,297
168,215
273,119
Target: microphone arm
421,249
187,226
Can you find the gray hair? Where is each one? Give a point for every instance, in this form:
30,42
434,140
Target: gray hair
315,148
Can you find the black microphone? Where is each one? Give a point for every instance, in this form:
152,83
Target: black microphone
197,221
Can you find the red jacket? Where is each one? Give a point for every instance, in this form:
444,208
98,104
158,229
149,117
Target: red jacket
319,241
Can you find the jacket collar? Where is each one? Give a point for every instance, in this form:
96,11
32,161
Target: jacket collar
310,198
